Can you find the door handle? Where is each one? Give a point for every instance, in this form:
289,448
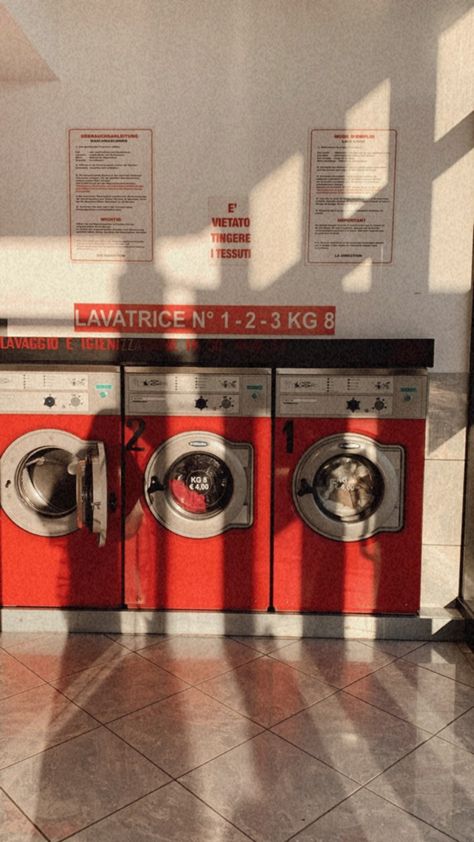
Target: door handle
155,485
305,488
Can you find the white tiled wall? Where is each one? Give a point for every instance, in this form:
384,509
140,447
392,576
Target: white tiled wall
443,488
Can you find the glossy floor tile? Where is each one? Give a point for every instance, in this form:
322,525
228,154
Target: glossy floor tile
349,735
33,721
269,788
138,641
266,690
66,788
337,662
436,784
124,738
364,817
172,814
197,658
443,659
52,655
266,645
416,694
184,731
461,732
14,826
14,677
119,687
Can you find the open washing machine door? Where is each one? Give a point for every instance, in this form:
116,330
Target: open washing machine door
91,490
199,484
348,487
53,483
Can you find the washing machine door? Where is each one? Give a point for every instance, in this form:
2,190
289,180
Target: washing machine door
53,483
348,487
199,484
91,490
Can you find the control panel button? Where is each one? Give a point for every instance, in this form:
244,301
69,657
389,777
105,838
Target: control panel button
200,403
49,401
380,404
353,405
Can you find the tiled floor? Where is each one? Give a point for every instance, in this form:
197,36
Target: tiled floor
126,738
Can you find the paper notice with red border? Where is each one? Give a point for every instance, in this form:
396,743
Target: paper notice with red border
351,195
111,195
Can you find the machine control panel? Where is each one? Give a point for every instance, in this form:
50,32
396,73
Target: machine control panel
56,392
336,384
238,393
342,394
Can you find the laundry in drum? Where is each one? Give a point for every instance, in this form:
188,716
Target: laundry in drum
347,487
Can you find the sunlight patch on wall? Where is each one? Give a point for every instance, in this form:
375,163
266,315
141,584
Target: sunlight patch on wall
185,262
19,59
31,268
276,211
40,282
371,112
452,205
454,78
359,279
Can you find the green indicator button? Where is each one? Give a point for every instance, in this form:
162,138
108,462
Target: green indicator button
104,389
258,387
408,389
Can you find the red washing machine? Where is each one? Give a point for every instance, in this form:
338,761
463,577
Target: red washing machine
60,459
349,462
198,461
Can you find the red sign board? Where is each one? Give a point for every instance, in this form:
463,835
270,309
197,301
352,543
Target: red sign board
204,320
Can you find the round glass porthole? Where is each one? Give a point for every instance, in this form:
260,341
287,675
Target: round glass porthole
44,483
199,484
348,488
39,482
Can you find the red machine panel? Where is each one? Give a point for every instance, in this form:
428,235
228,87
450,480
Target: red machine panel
198,447
348,493
60,451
